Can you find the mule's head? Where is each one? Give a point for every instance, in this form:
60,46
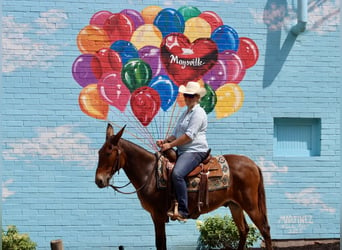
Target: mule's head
111,158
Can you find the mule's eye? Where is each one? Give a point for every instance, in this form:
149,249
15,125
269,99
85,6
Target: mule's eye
109,150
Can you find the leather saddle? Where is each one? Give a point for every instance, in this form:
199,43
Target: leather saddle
208,168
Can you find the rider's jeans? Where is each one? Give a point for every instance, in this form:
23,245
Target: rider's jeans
185,163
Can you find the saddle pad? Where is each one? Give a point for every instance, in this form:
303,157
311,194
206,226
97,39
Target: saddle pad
215,182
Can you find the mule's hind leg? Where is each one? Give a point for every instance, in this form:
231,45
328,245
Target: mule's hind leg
260,221
240,221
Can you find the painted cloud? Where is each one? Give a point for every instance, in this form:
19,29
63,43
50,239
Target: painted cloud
25,51
60,143
308,197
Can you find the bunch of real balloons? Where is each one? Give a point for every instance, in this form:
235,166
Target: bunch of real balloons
143,57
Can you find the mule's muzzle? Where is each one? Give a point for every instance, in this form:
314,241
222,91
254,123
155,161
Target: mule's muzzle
102,181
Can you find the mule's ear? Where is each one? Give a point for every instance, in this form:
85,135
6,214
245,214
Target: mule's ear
110,131
116,138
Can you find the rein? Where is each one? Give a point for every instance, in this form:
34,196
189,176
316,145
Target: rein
116,168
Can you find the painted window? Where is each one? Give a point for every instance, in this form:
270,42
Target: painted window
297,137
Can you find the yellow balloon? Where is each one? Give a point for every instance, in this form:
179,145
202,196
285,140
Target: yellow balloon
197,27
91,39
229,100
91,103
150,13
146,34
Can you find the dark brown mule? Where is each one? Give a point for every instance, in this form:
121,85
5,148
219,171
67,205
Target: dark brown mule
245,193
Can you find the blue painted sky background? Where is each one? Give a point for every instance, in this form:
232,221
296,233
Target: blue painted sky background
39,48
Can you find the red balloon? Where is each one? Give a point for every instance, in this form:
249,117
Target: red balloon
145,104
212,18
185,61
248,51
110,60
119,27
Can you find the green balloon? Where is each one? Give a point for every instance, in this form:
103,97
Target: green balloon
135,74
189,12
208,101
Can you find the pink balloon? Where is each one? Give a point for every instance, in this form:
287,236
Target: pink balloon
99,18
113,91
236,69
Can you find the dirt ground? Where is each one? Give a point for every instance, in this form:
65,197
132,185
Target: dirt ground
331,244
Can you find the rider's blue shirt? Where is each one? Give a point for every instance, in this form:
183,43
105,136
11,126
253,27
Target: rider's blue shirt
194,124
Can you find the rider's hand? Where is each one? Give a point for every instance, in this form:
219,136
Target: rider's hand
165,146
160,143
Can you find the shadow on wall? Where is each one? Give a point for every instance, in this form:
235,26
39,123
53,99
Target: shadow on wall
276,53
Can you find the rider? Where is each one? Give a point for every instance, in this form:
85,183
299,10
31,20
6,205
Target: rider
189,136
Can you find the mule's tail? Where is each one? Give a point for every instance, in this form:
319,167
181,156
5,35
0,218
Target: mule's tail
262,197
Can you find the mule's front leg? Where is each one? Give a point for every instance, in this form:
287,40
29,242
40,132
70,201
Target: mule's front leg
159,230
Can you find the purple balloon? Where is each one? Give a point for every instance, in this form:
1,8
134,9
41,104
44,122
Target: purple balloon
82,70
135,16
217,76
151,55
236,69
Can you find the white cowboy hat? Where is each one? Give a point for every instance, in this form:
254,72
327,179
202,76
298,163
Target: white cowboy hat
192,88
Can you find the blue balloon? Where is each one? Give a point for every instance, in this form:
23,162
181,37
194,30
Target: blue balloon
168,91
126,50
226,38
168,21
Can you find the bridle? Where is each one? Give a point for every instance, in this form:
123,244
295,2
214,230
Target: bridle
116,167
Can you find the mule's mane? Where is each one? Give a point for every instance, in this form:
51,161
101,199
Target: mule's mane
136,148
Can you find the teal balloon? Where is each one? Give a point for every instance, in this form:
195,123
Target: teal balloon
208,102
189,12
135,74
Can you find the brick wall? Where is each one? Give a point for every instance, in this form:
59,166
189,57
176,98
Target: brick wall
49,148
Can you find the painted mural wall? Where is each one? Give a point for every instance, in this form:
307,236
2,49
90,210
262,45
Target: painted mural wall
69,68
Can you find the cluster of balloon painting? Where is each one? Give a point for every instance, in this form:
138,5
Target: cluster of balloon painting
139,59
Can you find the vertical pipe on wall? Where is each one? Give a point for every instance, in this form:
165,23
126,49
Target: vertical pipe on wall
302,17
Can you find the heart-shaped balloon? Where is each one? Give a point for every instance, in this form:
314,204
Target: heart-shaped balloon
186,61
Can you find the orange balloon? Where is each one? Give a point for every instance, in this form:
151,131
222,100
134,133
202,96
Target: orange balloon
91,39
150,13
91,103
180,100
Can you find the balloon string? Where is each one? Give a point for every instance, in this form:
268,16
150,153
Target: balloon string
174,120
139,127
147,134
170,121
